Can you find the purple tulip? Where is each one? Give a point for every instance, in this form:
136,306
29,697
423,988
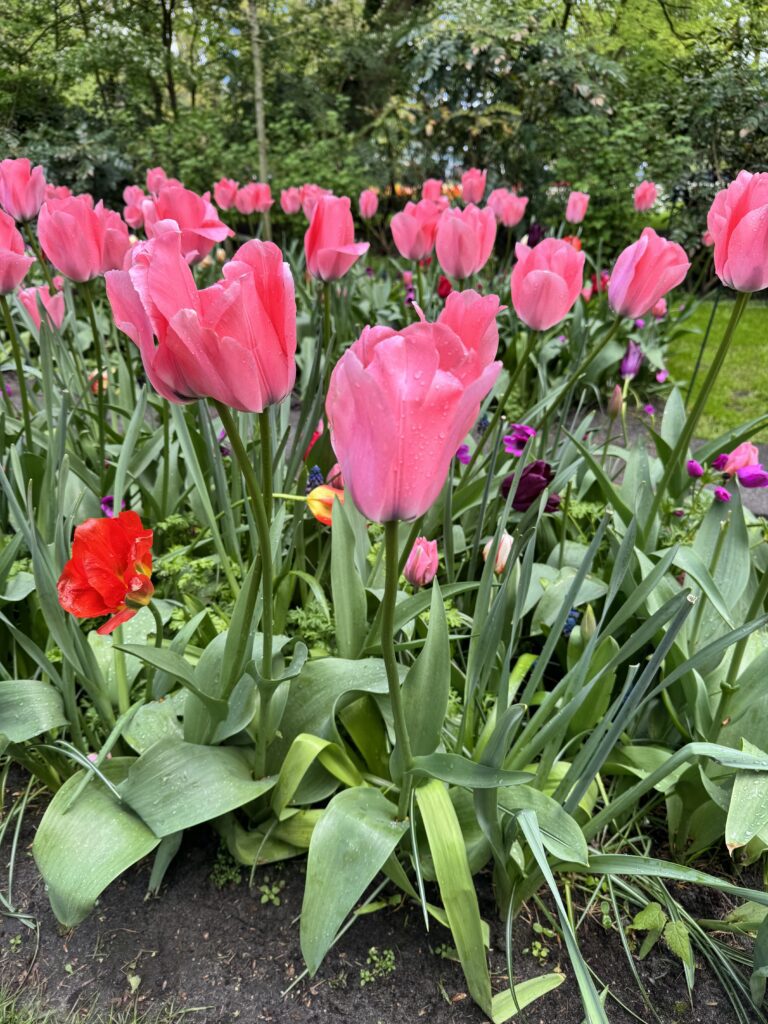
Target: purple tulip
108,506
462,454
514,443
632,360
535,478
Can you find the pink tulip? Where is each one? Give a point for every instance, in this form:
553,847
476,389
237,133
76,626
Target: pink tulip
738,224
708,239
473,185
329,243
465,240
57,192
400,403
310,194
368,204
508,207
195,216
133,197
503,552
645,196
660,309
157,179
14,262
224,193
576,210
644,272
546,282
234,342
81,240
414,229
422,563
22,188
53,304
255,197
290,201
744,455
432,189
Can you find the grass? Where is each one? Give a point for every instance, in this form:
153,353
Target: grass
741,392
31,1010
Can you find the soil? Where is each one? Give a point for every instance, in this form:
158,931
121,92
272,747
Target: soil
223,956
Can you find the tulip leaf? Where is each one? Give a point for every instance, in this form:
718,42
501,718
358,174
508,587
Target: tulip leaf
347,588
460,771
504,1006
748,808
27,708
427,686
114,836
560,834
175,785
350,844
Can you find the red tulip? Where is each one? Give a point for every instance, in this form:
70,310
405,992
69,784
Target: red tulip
290,200
465,240
329,243
224,193
133,197
81,240
255,197
368,204
432,189
576,210
738,225
399,404
644,272
546,281
14,262
473,185
508,207
234,342
53,304
415,227
22,188
645,195
195,216
109,572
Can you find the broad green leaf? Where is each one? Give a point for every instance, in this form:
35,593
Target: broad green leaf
18,587
560,834
347,588
175,785
27,708
305,750
748,809
460,771
590,713
155,721
112,834
457,891
350,844
427,685
504,1007
678,940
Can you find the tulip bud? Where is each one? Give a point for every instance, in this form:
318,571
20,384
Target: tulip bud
616,402
721,494
221,255
588,624
320,502
421,566
502,552
695,469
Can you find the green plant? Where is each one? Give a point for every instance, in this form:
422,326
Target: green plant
379,965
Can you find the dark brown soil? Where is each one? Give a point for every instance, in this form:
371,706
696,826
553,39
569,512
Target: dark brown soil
224,956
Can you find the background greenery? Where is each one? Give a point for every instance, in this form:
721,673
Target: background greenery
595,94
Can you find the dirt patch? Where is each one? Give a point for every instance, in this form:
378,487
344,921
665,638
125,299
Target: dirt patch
224,955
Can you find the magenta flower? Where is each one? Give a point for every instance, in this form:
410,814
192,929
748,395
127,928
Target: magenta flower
632,361
108,506
514,443
662,375
721,494
695,469
752,476
463,455
720,462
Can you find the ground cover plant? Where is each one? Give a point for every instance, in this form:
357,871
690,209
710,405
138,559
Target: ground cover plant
349,553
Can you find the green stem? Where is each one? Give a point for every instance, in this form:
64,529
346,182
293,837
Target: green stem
166,457
38,253
389,600
121,674
16,346
689,428
266,460
86,291
158,643
420,286
327,334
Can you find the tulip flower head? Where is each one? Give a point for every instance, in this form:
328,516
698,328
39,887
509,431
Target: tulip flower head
534,479
743,455
57,191
508,206
503,551
329,243
14,262
421,565
694,469
368,203
464,240
616,402
644,273
722,494
576,210
157,179
53,304
645,195
290,201
195,216
133,212
546,282
109,571
225,192
432,189
310,194
320,502
81,240
234,342
415,227
255,197
632,361
473,185
400,403
738,224
517,439
22,188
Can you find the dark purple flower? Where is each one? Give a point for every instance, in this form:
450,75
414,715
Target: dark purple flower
483,424
535,478
632,360
463,455
720,462
223,448
108,506
679,512
314,478
514,443
752,476
721,494
535,234
695,469
369,271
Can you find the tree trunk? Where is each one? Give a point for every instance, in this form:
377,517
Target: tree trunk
258,103
170,82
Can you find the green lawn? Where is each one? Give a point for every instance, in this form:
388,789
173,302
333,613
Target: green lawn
741,392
